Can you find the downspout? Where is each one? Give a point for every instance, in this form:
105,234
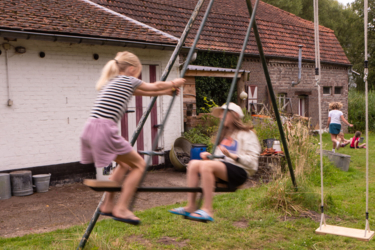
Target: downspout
299,66
6,46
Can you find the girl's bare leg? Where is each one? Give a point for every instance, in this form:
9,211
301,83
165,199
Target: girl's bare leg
334,141
117,176
137,164
192,181
209,170
362,145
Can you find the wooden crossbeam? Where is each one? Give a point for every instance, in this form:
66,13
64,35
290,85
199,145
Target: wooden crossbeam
358,234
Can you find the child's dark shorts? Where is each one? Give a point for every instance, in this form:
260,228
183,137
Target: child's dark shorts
236,176
334,128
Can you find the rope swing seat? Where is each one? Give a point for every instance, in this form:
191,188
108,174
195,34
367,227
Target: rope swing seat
359,234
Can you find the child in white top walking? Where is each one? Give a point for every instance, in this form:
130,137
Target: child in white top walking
334,122
100,141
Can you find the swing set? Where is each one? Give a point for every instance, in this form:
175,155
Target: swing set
112,187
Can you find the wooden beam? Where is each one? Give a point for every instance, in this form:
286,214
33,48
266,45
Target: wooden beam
211,73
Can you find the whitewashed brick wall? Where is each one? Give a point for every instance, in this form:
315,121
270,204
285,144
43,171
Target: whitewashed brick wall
53,97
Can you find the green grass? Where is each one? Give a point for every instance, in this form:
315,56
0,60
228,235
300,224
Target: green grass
344,192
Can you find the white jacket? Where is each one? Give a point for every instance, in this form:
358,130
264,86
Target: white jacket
247,147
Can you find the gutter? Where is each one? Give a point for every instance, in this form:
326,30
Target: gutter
83,39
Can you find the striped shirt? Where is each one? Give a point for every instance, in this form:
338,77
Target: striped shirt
113,98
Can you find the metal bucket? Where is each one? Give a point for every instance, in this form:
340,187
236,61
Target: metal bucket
5,188
41,182
181,146
21,183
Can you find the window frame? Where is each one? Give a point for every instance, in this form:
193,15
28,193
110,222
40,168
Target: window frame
338,87
330,90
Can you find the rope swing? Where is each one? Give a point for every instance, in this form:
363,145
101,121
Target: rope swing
324,228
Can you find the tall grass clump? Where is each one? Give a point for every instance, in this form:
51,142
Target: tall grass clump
281,194
356,110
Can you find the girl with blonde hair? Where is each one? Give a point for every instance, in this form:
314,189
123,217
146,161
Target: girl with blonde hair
240,147
334,123
100,141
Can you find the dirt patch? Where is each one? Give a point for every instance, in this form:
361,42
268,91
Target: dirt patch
74,204
315,216
138,239
171,241
241,223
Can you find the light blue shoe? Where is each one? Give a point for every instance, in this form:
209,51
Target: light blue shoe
204,217
179,211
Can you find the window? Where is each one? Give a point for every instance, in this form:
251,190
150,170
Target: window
338,90
326,90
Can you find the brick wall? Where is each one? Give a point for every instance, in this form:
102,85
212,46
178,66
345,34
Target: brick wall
283,72
53,97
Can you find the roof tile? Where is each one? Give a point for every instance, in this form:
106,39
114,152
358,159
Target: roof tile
74,17
281,32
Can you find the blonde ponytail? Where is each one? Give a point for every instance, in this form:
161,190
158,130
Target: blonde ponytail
115,66
109,71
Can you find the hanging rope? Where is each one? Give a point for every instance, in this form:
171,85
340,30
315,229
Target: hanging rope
365,11
317,82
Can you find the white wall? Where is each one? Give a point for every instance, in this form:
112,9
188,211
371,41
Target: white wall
53,97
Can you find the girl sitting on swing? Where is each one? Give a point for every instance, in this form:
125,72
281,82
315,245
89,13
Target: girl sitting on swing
240,148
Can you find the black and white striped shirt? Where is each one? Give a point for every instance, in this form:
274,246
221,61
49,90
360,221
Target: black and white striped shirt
113,98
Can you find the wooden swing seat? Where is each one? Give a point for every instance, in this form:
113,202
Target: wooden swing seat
358,234
112,186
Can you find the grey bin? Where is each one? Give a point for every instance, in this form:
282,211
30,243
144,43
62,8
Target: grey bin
5,188
21,183
341,161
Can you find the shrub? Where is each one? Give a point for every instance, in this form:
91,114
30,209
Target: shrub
356,110
281,194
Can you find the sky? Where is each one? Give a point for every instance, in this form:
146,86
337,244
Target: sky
344,2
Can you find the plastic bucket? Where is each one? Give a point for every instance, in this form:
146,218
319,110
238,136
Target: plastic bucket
22,183
41,182
196,150
268,143
5,188
180,146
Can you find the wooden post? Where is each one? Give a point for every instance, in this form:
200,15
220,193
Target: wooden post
240,88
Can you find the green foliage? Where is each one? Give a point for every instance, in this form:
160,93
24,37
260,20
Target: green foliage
204,134
266,130
213,88
356,110
196,135
208,105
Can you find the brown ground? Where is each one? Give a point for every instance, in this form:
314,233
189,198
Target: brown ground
74,204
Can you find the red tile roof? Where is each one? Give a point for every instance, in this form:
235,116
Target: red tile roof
78,17
281,32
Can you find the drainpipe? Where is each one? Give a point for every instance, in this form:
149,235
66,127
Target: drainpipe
6,46
299,66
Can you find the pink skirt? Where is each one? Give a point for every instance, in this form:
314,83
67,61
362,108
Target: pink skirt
101,142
